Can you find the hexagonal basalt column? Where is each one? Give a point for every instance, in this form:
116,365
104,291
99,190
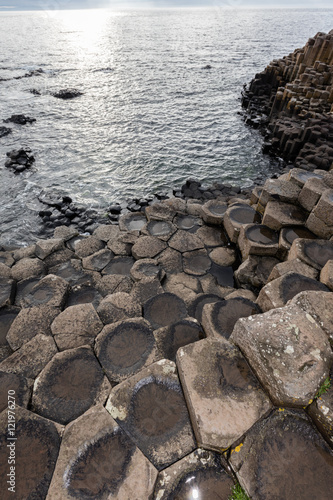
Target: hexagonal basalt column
98,460
278,215
213,212
289,234
35,449
161,229
223,396
51,290
199,475
147,247
150,407
288,351
117,307
187,222
71,383
284,457
164,309
132,222
124,348
279,189
147,268
170,338
19,386
120,266
321,412
313,252
257,239
326,274
237,216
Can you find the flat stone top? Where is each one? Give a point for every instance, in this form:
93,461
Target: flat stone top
262,235
243,214
292,233
164,309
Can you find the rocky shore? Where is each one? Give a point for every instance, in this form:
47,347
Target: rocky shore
179,351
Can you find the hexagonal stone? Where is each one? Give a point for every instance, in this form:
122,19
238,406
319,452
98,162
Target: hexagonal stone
279,291
7,292
51,290
21,253
278,214
243,293
132,222
183,241
209,285
257,239
65,233
114,283
88,246
236,216
76,326
279,189
171,261
170,338
213,212
326,274
147,247
28,268
318,227
145,289
83,294
122,245
106,232
323,209
295,265
59,257
199,475
223,256
255,270
164,309
197,262
29,323
97,261
161,229
289,234
150,407
120,266
160,211
20,387
299,176
184,286
31,358
147,268
283,456
195,308
125,347
44,248
223,396
212,236
72,272
117,307
311,192
98,460
187,222
288,351
71,383
314,252
36,450
321,412
219,318
224,275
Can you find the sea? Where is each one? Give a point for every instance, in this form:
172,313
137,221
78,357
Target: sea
160,101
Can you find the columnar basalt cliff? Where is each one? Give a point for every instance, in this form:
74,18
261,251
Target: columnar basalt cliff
292,100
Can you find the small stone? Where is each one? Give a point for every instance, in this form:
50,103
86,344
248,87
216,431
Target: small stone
213,212
117,307
196,262
50,290
295,265
88,246
223,256
315,253
255,270
183,241
278,214
164,309
44,248
170,338
97,261
147,247
28,268
69,385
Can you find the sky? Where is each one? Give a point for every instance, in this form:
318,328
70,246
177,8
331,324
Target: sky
8,5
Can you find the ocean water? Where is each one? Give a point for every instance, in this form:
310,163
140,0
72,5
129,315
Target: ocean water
150,116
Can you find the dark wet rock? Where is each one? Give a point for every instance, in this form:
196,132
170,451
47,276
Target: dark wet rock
50,290
224,275
7,292
219,318
34,92
146,288
23,288
236,216
279,291
28,268
97,261
104,462
19,159
20,388
170,338
69,385
114,283
209,285
257,239
196,262
296,266
150,407
7,316
195,308
72,272
67,94
37,446
271,459
31,358
171,261
278,214
126,347
44,248
20,119
161,229
147,268
183,241
76,326
59,257
289,234
223,396
5,131
30,322
212,212
164,309
255,270
88,246
132,222
119,266
288,351
313,252
199,473
117,307
148,247
85,293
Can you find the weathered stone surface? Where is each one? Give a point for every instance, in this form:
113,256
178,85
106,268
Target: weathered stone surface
243,293
311,193
283,456
114,283
278,215
145,289
282,190
199,475
326,274
296,266
161,229
126,347
187,222
117,307
257,239
50,290
147,268
213,212
98,460
7,316
318,227
72,272
20,388
106,232
313,252
160,211
288,351
223,256
164,309
22,253
122,245
183,241
223,396
119,265
299,176
289,234
255,270
279,291
70,383
170,338
195,308
5,271
196,262
28,268
147,247
30,322
209,285
132,222
36,450
150,407
184,286
44,248
7,292
97,261
58,257
7,258
88,246
171,261
31,358
65,233
219,318
236,216
323,209
321,412
224,275
212,236
83,294
76,326
193,207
